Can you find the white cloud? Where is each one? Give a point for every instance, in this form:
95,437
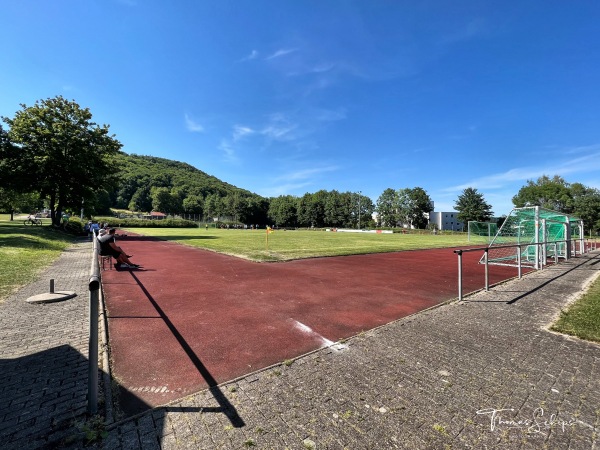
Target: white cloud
240,132
192,125
296,180
280,53
305,174
279,132
326,67
583,164
499,188
228,151
582,149
279,128
253,55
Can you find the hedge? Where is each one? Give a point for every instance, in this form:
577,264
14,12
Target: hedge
144,223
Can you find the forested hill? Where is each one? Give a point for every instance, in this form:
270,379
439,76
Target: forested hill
148,182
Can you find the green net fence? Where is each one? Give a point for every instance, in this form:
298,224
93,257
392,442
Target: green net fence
483,232
528,227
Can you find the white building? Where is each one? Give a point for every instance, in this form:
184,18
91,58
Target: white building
446,221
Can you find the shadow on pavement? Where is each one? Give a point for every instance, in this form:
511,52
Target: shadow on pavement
42,397
550,280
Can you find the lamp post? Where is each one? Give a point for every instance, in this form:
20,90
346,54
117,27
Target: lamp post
359,192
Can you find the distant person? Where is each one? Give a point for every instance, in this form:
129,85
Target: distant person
109,247
88,229
95,228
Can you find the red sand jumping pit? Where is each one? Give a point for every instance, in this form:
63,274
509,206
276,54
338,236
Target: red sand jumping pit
191,319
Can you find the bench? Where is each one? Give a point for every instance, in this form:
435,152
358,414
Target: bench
106,259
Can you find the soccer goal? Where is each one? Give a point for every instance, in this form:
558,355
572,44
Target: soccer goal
539,234
482,232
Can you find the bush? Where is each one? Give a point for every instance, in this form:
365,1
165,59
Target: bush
145,223
75,226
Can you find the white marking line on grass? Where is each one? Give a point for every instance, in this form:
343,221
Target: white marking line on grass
326,342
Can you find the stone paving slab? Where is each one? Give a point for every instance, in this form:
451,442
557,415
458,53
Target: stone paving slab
482,373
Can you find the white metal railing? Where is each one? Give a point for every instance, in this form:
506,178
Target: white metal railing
586,245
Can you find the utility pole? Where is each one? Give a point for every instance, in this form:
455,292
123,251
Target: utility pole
359,192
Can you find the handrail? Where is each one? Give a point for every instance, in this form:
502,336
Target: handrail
592,245
94,288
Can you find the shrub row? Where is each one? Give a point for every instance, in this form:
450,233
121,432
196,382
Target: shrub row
143,223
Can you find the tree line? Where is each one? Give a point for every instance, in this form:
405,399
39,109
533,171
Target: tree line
53,154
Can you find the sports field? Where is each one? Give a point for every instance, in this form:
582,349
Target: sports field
287,245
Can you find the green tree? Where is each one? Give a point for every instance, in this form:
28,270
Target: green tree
213,206
239,205
348,206
413,205
472,206
62,154
365,208
311,209
387,208
141,200
586,205
335,210
549,193
12,201
558,195
193,204
283,210
257,210
164,201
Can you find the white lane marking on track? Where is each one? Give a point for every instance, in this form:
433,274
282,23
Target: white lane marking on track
326,342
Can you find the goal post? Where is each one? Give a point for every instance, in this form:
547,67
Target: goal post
481,231
539,234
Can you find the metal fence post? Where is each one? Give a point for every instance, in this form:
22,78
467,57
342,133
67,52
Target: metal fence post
519,259
459,253
487,271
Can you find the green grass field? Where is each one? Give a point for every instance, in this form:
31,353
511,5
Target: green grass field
25,251
298,244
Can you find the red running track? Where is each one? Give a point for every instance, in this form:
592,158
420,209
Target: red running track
191,318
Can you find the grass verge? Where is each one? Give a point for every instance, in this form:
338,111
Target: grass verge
25,251
582,318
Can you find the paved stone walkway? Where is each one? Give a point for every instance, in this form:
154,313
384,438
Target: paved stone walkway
43,357
482,373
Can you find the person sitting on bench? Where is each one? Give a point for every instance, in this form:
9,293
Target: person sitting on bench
108,247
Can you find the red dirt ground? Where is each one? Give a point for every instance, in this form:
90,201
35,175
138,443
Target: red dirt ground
191,318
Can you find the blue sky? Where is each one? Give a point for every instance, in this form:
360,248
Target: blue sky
288,97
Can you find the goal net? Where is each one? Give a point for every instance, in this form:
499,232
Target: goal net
539,233
482,232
